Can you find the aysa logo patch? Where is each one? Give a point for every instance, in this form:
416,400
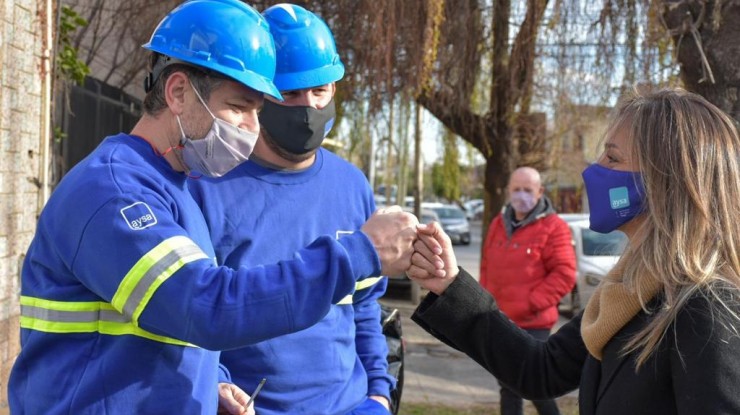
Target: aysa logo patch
139,216
619,198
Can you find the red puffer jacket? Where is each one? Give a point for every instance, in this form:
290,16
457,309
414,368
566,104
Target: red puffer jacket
531,272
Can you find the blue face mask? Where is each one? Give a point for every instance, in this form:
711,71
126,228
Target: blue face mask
614,197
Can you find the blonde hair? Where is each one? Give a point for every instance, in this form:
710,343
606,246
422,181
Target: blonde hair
688,153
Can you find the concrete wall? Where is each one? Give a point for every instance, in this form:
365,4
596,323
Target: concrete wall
23,30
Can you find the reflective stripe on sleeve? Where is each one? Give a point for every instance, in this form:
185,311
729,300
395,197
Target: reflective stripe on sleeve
154,268
82,317
360,285
367,283
347,300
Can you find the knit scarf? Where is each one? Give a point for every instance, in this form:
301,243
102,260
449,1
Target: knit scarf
611,307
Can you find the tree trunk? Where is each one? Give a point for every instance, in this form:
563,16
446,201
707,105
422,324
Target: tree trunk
389,165
418,187
707,38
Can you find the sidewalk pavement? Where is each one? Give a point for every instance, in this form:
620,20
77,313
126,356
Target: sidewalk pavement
437,374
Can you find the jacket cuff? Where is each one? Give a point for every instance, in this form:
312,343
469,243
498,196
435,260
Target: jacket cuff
380,387
361,252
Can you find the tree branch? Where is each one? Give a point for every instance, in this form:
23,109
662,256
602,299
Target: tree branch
461,121
523,56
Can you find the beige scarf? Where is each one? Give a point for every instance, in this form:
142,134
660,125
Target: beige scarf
610,308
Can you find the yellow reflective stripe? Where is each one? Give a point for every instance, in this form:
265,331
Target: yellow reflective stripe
154,268
113,329
65,305
82,317
367,282
162,277
360,285
346,300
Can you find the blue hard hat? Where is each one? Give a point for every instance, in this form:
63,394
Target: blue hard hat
225,36
306,53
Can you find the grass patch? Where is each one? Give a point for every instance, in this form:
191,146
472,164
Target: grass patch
567,405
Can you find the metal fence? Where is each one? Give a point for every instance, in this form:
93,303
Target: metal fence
87,115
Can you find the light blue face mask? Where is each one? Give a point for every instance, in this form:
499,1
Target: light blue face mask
614,197
223,148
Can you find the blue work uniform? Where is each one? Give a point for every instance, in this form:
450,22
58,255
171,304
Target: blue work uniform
257,215
122,302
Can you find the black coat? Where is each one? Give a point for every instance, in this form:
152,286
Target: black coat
696,369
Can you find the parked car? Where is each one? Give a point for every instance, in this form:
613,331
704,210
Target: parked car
473,209
453,221
596,255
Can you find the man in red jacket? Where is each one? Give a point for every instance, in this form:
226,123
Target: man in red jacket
528,265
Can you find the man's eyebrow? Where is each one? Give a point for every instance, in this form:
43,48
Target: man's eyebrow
244,100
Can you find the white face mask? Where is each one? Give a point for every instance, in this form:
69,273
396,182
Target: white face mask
223,148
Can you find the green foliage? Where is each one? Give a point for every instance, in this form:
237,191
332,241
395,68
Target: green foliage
438,179
68,65
452,168
59,134
446,176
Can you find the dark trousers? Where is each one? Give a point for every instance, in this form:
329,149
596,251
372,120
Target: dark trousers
512,404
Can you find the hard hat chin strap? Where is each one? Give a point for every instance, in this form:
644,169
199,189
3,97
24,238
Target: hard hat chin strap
160,62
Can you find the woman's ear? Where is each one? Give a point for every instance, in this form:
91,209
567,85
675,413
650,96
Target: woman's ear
174,91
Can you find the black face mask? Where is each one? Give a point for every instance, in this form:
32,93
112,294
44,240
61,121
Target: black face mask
297,130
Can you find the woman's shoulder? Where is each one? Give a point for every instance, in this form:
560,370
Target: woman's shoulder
718,293
713,311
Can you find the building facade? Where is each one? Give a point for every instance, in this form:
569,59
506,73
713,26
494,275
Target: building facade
25,85
577,140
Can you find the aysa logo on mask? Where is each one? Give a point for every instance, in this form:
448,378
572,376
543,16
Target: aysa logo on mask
139,216
619,197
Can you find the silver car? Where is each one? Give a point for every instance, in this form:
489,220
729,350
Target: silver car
453,221
596,255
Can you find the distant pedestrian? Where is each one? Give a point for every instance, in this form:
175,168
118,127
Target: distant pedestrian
528,265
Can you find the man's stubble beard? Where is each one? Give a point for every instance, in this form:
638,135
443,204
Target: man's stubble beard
287,155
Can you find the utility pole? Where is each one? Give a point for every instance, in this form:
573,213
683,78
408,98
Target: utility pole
418,188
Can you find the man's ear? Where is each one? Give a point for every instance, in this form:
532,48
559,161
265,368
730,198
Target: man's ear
333,88
541,192
174,91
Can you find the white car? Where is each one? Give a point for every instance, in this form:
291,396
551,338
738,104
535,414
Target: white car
473,209
596,255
